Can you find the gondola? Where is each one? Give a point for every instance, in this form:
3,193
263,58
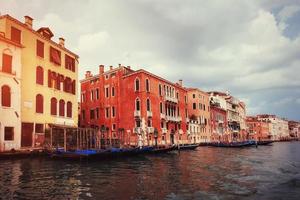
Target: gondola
188,146
264,142
233,144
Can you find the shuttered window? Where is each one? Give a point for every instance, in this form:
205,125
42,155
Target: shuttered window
39,48
61,108
69,63
55,56
5,96
69,109
39,103
53,106
16,35
6,63
39,75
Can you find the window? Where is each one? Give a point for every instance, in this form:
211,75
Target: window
53,106
107,112
149,124
5,96
113,91
114,127
15,35
97,113
6,63
147,85
106,92
39,75
194,106
194,96
203,107
69,63
97,93
39,103
61,108
148,105
69,109
138,123
161,107
137,84
39,48
92,95
92,114
9,133
137,105
113,112
200,106
83,97
177,95
55,56
39,128
159,90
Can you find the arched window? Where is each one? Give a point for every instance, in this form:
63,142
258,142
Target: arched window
69,109
137,84
39,104
161,107
39,75
6,63
53,106
5,96
61,108
137,104
148,105
147,85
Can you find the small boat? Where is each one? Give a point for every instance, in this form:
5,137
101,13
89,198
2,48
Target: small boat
188,146
264,142
233,144
163,149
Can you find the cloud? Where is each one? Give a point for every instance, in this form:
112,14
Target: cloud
240,46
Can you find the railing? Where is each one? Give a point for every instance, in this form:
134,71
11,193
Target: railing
164,130
137,130
171,99
149,113
137,113
174,119
150,129
162,116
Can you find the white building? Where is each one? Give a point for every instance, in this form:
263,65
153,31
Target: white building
10,93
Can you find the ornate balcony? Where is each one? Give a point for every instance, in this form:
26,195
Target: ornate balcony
150,129
137,113
171,99
164,131
149,113
137,130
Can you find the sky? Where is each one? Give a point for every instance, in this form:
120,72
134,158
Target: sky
248,47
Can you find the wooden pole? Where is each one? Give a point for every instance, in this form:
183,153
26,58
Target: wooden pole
51,138
65,139
77,142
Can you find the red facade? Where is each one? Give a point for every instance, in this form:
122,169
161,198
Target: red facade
218,117
257,129
127,105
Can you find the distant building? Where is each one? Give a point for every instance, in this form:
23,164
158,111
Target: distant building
257,129
10,92
218,117
134,107
49,78
199,115
294,129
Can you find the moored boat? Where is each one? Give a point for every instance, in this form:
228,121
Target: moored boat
265,142
188,146
233,144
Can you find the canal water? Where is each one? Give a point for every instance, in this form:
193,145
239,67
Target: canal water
266,172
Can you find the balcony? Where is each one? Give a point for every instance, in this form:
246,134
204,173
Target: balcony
149,114
137,130
162,116
150,129
137,113
171,99
164,131
180,131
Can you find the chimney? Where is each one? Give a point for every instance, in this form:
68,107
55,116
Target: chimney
88,74
28,21
180,82
101,69
62,42
110,67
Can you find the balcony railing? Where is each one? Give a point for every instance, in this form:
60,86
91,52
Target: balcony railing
171,99
173,118
137,130
162,116
164,131
187,120
180,131
149,113
137,113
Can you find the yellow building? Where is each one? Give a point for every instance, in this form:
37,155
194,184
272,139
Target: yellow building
49,78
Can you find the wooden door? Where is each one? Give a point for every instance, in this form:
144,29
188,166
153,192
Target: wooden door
26,138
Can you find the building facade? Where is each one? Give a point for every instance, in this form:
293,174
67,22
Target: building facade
257,130
10,92
134,107
199,115
218,117
294,128
49,78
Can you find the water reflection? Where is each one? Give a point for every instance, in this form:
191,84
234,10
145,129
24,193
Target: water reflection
270,172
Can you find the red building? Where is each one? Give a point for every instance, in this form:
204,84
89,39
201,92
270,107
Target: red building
257,129
134,107
218,118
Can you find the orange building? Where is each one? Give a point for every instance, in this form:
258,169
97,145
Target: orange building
199,115
134,107
49,77
257,129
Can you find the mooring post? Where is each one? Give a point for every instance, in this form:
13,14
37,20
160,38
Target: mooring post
51,138
65,139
